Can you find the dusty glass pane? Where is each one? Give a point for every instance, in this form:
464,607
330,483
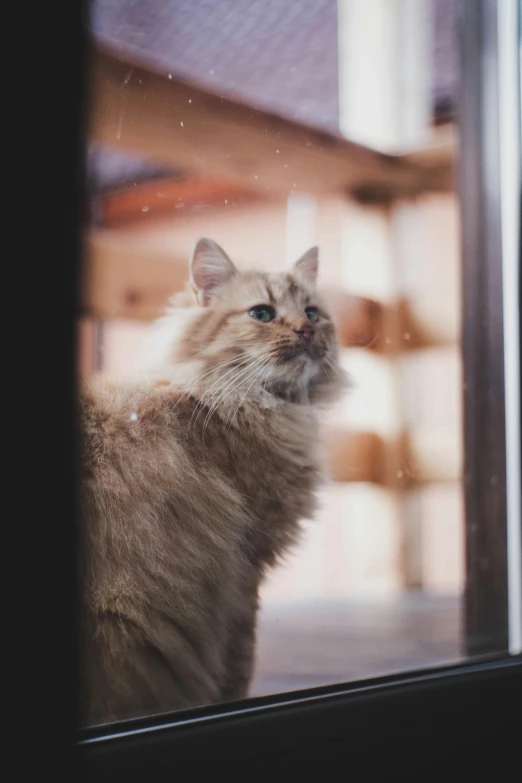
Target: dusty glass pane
271,128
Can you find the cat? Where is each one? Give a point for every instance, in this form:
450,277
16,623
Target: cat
193,482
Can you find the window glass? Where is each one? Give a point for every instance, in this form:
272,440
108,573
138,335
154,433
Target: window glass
271,128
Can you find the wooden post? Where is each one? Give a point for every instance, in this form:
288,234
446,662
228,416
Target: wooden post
385,96
486,603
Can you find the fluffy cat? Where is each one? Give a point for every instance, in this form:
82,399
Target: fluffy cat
193,483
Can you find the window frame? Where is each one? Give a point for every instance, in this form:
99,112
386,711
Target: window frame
404,724
486,593
416,721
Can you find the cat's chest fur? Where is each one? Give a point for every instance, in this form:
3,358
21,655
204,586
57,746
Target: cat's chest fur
270,456
161,472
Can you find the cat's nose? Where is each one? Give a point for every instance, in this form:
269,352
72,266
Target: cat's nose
305,331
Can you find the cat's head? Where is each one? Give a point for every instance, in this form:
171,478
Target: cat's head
251,332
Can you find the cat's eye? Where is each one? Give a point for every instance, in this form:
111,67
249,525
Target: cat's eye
263,313
312,314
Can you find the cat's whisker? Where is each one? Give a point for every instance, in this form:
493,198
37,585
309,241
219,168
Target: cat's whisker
256,359
329,363
240,358
207,395
237,361
232,385
258,371
263,371
215,367
205,350
220,395
223,363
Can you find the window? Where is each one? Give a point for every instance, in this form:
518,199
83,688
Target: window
197,128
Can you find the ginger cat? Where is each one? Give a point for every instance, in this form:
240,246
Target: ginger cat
193,484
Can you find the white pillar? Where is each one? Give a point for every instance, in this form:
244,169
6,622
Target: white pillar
385,89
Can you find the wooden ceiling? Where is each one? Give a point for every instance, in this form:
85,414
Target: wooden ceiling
245,150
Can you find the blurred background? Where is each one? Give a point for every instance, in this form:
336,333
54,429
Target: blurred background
272,126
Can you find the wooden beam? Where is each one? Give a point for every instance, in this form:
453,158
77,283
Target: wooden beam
386,328
354,456
121,282
136,108
432,454
439,153
438,159
358,320
413,458
172,198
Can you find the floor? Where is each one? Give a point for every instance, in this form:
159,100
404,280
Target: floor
320,642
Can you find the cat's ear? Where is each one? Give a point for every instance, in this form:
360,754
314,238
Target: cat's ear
305,269
210,267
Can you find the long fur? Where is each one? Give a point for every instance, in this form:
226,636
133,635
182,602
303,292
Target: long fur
193,483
